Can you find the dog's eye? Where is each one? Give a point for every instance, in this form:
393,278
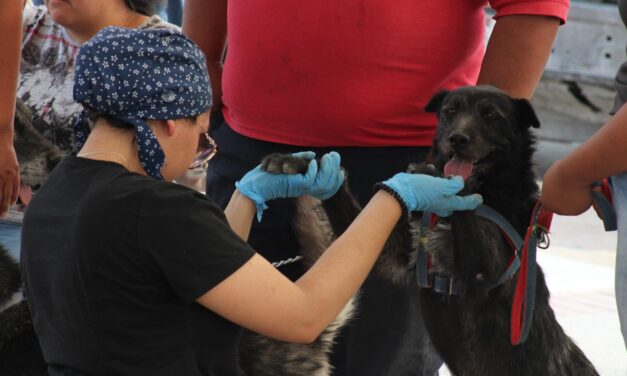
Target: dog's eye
449,111
489,115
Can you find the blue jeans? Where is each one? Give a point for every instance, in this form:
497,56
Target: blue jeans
173,12
11,237
619,186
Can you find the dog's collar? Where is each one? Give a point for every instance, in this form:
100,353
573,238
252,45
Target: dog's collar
14,300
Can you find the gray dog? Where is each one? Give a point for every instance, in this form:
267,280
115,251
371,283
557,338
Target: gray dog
20,353
36,155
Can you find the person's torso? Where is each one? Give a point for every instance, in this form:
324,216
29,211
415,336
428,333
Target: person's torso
356,73
99,304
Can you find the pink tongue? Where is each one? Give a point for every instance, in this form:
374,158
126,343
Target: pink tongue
26,194
459,167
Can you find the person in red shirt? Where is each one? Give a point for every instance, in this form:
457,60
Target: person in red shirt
355,77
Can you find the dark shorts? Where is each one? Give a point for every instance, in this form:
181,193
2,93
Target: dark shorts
388,336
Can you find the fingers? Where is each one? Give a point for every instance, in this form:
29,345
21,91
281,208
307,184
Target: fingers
458,203
452,185
312,171
16,190
469,202
6,192
305,154
329,166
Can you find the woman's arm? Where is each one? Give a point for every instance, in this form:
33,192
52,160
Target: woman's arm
517,52
11,31
260,298
566,187
240,212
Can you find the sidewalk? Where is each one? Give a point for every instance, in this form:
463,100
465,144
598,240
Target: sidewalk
579,270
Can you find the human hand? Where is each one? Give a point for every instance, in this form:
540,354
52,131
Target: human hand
261,186
563,194
329,178
9,177
419,192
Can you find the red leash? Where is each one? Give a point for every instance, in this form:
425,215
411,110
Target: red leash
525,293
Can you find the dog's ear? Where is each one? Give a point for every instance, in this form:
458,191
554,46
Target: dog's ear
526,114
435,103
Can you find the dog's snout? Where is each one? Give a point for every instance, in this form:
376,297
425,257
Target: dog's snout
459,141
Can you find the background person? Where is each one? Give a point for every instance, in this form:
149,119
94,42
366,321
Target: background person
10,26
567,184
51,37
355,77
129,274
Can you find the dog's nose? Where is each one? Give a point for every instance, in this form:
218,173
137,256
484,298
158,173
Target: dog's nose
459,141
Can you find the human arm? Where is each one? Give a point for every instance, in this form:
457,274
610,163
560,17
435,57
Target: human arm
262,186
240,212
11,30
517,52
204,21
270,304
567,184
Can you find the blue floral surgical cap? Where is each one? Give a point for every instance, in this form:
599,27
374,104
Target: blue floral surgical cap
133,75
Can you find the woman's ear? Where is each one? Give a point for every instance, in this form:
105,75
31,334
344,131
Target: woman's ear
170,127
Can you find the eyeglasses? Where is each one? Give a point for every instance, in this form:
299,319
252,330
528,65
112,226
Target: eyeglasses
207,149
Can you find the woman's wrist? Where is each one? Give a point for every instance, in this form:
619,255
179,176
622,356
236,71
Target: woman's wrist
239,213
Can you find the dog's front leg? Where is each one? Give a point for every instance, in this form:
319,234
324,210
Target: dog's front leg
478,253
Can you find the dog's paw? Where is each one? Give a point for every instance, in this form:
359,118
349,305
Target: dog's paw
423,168
278,163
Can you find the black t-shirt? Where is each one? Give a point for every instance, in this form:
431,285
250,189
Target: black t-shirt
113,263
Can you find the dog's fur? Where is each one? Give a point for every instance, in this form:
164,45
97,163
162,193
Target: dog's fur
471,330
36,155
20,353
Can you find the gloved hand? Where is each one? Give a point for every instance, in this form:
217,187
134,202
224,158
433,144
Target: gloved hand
329,179
261,186
418,192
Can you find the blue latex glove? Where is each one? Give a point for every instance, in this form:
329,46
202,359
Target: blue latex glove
427,193
329,179
261,186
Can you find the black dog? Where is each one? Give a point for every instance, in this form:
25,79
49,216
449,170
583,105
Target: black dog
20,354
483,135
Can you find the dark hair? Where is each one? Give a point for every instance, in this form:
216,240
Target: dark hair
145,7
115,123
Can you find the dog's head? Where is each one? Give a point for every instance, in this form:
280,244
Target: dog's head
36,155
482,133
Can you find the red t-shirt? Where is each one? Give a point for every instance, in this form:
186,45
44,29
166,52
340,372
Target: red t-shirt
353,73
